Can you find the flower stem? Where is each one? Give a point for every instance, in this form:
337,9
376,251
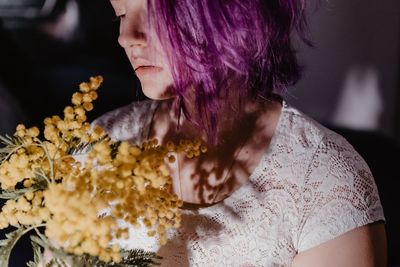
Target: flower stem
46,151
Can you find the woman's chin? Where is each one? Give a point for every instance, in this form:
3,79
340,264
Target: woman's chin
156,87
155,94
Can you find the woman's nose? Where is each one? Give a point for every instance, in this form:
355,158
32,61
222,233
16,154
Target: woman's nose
132,33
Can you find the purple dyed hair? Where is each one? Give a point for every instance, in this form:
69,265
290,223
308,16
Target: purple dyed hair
220,45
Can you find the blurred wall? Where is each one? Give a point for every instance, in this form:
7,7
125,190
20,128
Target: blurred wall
354,67
11,112
43,60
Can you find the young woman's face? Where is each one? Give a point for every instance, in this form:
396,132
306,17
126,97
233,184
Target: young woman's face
143,48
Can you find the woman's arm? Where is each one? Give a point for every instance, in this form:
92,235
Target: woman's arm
364,247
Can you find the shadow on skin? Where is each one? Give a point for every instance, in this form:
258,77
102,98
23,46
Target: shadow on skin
227,165
208,175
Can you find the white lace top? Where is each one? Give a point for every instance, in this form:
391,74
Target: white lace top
310,186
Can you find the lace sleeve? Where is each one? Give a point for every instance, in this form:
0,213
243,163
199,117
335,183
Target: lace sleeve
344,192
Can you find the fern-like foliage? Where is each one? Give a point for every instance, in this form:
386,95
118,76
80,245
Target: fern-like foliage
114,149
77,147
37,255
9,144
131,258
11,141
6,245
56,262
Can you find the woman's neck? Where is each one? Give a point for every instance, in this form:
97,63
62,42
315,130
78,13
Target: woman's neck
243,139
231,116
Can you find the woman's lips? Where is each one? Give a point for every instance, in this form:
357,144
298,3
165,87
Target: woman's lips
147,70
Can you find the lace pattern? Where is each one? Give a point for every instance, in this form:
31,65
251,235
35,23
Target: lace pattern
310,186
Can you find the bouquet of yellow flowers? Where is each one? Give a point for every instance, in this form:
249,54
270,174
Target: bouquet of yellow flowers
74,205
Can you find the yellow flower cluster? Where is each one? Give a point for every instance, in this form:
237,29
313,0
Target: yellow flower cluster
26,210
51,160
137,183
75,224
60,132
136,180
32,156
130,183
21,163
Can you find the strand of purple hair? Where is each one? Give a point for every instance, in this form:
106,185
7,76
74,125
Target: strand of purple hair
221,47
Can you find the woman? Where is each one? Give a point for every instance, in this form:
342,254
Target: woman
275,188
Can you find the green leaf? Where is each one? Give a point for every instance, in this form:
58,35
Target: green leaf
131,258
9,145
10,194
37,254
11,140
38,241
56,262
60,257
77,147
140,258
6,245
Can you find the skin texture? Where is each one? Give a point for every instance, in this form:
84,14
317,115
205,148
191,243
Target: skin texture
363,246
143,48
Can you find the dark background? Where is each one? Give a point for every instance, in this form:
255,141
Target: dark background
350,82
41,71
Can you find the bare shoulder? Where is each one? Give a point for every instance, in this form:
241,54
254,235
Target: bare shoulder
362,246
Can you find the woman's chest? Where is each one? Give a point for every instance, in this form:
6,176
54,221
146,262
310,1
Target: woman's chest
250,242
243,232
